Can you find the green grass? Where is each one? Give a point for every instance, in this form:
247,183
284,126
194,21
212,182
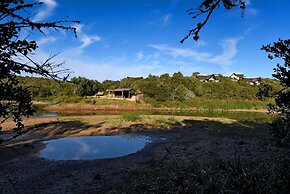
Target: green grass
131,117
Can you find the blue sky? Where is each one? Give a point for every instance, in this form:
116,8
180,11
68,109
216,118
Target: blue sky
120,38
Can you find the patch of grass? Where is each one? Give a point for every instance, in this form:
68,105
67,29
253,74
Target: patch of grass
171,121
131,117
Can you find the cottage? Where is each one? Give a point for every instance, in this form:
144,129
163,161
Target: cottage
203,78
208,78
214,78
135,77
121,93
254,80
237,76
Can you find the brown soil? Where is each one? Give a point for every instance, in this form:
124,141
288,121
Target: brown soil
198,139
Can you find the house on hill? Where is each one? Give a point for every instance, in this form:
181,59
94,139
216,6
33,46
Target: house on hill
203,78
135,77
208,78
237,76
121,93
254,80
214,78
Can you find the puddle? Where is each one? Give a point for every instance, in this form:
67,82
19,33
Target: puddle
47,114
93,147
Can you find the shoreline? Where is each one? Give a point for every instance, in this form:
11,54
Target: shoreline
116,108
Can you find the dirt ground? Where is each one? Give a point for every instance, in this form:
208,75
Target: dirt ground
197,139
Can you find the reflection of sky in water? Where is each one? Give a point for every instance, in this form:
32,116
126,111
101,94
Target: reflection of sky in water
93,147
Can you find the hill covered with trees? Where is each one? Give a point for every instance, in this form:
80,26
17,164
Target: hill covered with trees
163,89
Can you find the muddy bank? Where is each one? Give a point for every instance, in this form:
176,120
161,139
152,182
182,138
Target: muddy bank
198,139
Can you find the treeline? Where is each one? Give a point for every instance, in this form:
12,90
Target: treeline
155,88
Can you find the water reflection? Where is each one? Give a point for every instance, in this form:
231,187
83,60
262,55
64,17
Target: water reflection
47,114
93,147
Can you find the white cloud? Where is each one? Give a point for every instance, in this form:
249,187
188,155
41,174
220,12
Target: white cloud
49,6
167,18
158,19
112,70
181,52
229,46
86,39
229,51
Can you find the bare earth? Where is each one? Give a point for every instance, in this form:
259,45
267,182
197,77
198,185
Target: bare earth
196,139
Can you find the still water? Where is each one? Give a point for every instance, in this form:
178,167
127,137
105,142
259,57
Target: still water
93,147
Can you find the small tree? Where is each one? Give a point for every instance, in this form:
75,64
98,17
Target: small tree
181,93
84,86
16,57
281,127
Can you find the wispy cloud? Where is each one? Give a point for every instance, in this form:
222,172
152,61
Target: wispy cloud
112,69
86,39
181,52
229,51
160,19
49,6
167,19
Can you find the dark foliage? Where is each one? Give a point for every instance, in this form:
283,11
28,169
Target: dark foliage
281,50
16,56
85,87
265,91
